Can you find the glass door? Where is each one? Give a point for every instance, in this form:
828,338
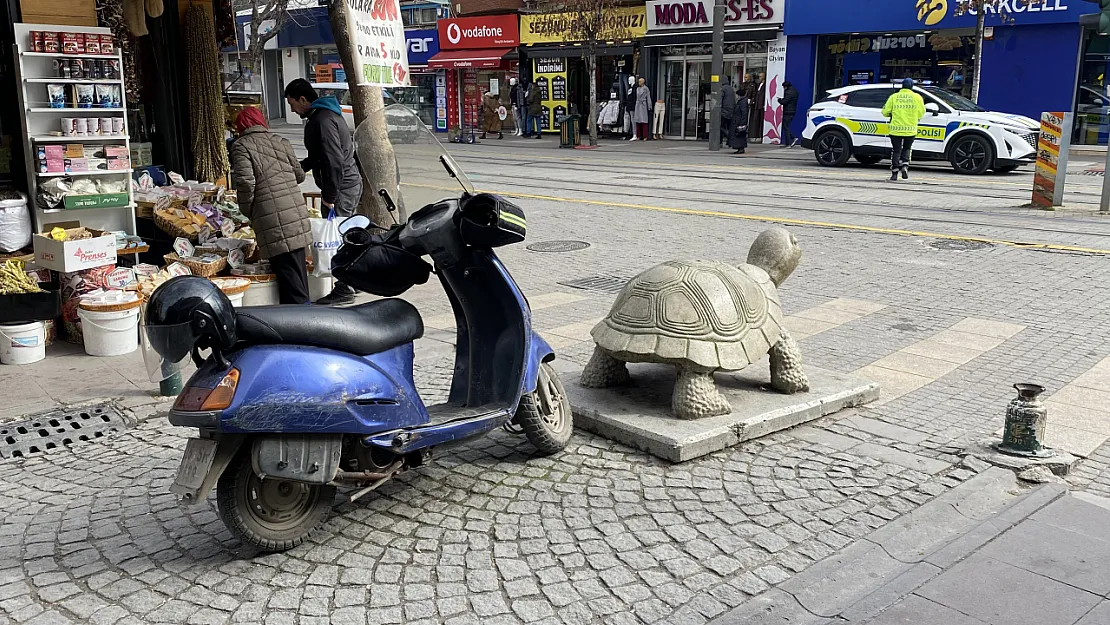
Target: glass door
672,97
697,75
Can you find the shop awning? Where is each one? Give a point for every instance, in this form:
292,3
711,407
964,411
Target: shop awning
491,57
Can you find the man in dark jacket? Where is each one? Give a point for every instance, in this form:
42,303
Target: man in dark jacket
534,98
728,102
331,158
789,102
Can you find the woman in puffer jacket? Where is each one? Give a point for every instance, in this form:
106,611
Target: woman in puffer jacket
267,176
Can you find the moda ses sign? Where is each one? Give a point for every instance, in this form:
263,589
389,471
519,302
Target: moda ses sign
674,14
494,31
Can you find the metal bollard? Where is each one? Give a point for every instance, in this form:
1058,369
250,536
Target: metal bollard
1026,417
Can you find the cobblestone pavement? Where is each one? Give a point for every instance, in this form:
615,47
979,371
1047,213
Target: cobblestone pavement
600,533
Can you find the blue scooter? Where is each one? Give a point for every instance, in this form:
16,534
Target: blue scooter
295,401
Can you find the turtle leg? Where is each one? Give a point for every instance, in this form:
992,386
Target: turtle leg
696,395
603,371
786,366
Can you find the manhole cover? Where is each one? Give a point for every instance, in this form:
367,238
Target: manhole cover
558,246
604,284
57,428
959,245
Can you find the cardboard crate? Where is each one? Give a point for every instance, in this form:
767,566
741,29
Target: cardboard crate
96,200
66,256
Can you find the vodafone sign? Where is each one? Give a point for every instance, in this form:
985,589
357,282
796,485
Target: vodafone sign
494,31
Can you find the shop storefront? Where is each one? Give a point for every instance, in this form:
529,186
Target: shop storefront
427,94
679,33
1028,58
478,55
555,54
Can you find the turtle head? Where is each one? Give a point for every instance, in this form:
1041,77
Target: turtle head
776,252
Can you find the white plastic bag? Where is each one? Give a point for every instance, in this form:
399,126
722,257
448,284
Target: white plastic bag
325,242
15,224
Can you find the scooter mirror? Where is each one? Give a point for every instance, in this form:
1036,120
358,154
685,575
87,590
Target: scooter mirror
354,221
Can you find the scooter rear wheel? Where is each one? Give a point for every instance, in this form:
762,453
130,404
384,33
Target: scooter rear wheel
271,515
545,414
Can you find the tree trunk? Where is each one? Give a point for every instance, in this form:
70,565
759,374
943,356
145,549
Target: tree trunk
376,158
591,122
980,26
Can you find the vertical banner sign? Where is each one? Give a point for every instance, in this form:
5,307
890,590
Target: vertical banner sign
551,78
381,53
776,73
1052,159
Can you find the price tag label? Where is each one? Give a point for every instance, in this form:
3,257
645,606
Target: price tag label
183,247
227,228
204,235
177,269
121,278
146,269
235,258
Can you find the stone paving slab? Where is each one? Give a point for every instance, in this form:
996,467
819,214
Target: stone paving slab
639,415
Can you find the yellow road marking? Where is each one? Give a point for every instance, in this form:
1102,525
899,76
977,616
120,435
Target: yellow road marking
786,221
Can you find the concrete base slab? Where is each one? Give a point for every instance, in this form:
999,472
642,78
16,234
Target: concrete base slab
1060,464
639,414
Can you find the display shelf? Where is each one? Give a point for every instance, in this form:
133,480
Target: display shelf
95,172
95,109
75,81
76,139
63,55
35,70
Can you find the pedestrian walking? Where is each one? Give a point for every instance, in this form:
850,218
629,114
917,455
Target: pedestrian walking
534,98
789,102
738,129
491,121
642,115
905,108
728,103
331,159
267,182
520,107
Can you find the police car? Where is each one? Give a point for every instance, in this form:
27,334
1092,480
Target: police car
849,122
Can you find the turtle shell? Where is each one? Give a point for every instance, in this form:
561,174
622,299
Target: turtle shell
701,313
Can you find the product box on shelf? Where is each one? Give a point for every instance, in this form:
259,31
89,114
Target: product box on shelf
96,200
75,165
76,255
96,164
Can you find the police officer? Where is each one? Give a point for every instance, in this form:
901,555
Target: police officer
904,108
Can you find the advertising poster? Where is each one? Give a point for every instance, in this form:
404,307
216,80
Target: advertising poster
776,73
381,54
1052,159
620,23
551,78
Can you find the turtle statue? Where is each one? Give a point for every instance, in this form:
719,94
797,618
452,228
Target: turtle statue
703,317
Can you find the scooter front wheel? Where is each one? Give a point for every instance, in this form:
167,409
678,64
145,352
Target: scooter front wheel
271,515
545,414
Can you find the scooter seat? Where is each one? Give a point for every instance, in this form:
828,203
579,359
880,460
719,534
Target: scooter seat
365,329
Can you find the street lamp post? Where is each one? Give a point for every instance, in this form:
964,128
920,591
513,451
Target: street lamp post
718,68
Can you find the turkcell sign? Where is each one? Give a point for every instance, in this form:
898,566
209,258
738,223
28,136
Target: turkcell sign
681,14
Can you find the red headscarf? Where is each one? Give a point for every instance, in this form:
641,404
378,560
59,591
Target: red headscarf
249,117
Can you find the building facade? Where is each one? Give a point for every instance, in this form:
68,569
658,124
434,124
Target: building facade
1030,56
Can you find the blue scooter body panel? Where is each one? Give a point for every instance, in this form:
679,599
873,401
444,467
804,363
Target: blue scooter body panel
307,390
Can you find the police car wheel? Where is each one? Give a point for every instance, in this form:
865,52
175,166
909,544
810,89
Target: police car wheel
832,148
971,155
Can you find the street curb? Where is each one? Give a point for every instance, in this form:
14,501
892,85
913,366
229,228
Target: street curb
879,570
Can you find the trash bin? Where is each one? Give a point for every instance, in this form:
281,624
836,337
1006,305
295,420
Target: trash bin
569,133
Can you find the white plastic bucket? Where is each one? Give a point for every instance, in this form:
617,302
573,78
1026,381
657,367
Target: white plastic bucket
22,343
237,299
111,333
318,287
262,294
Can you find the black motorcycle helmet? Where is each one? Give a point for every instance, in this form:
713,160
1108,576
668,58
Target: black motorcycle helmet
187,311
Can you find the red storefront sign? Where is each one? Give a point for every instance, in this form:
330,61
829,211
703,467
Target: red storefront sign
493,31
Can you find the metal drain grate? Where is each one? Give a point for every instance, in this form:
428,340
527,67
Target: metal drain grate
604,284
959,245
57,428
558,246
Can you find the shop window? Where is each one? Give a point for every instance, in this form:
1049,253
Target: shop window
1092,101
869,98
